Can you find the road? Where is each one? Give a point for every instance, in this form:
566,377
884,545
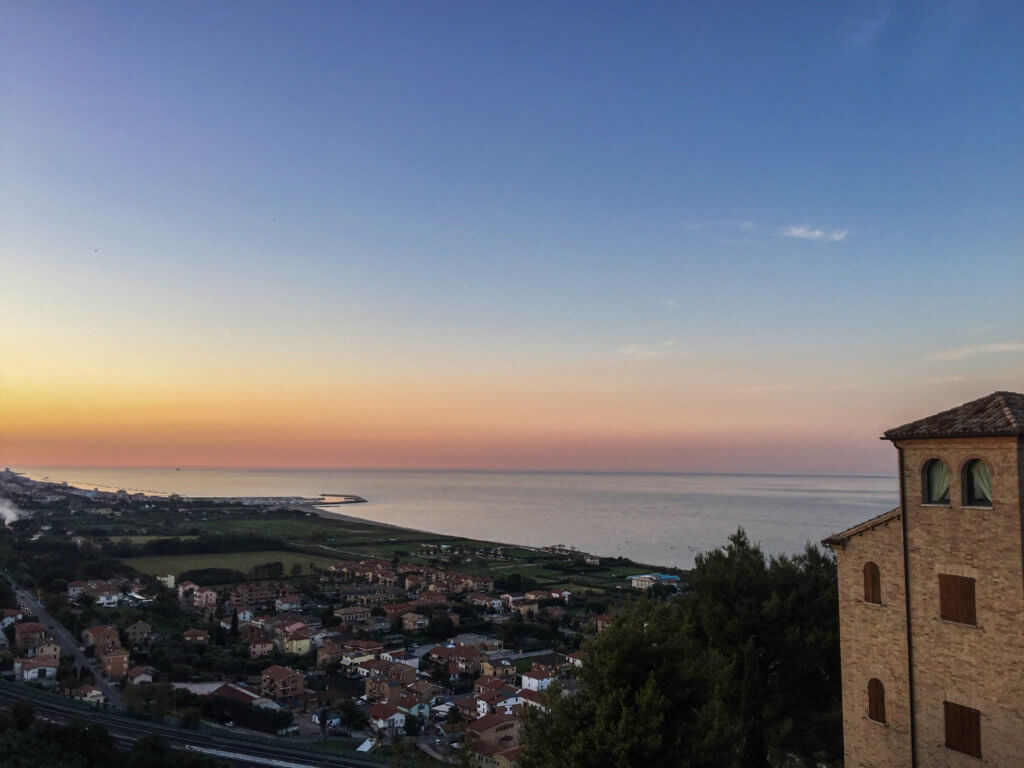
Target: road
69,645
125,731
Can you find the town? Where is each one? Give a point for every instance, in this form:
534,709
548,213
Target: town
367,655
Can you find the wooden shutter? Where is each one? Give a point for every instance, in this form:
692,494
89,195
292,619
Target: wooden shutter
872,584
956,599
876,700
965,600
963,728
947,597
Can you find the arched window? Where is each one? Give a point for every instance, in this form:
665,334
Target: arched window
977,484
872,584
876,700
935,480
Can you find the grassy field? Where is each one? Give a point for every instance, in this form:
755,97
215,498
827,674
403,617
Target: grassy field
239,561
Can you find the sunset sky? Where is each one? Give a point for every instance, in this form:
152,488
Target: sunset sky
638,236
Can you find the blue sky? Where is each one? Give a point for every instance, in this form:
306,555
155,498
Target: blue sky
514,201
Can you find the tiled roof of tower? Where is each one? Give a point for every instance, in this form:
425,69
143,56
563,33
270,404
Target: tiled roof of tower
1000,414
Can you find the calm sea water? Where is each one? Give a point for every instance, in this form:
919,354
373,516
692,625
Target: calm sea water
653,518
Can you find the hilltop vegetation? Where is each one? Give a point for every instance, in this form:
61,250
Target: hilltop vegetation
742,671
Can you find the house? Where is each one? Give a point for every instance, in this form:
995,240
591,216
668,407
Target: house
35,670
539,678
289,601
167,579
411,706
353,614
10,616
502,730
260,646
425,691
101,636
297,642
414,622
114,660
386,719
204,597
138,634
196,636
139,676
480,642
48,649
247,597
28,634
282,683
930,599
185,590
499,668
90,694
76,589
576,658
603,621
648,580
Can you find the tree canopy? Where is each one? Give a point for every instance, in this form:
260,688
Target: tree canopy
740,671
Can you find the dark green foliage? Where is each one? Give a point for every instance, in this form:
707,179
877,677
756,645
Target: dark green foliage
78,745
212,576
274,570
515,582
225,710
742,671
440,627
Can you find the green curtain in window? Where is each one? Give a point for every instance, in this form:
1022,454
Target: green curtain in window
938,482
982,477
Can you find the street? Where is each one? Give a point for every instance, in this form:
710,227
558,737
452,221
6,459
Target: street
69,645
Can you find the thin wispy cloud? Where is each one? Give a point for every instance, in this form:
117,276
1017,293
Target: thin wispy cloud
807,232
864,31
670,302
961,353
736,225
649,351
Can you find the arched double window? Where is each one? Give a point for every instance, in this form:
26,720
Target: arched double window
977,484
935,481
876,700
872,584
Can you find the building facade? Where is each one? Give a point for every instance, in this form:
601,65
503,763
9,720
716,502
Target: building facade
931,598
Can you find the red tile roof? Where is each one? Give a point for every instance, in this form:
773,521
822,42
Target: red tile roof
997,415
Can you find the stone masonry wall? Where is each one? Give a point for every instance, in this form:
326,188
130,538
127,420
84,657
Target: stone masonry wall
873,644
977,666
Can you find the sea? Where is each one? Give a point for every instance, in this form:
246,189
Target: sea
657,519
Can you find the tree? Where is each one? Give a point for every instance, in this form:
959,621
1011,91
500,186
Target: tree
413,725
296,569
714,678
23,713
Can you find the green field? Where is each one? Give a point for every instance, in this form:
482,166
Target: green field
239,561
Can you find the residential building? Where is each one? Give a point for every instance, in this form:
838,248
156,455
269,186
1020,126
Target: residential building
539,678
353,613
138,634
167,579
196,636
931,598
414,622
28,634
648,580
114,660
140,676
386,719
282,683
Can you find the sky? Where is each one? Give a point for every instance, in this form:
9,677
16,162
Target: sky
686,236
